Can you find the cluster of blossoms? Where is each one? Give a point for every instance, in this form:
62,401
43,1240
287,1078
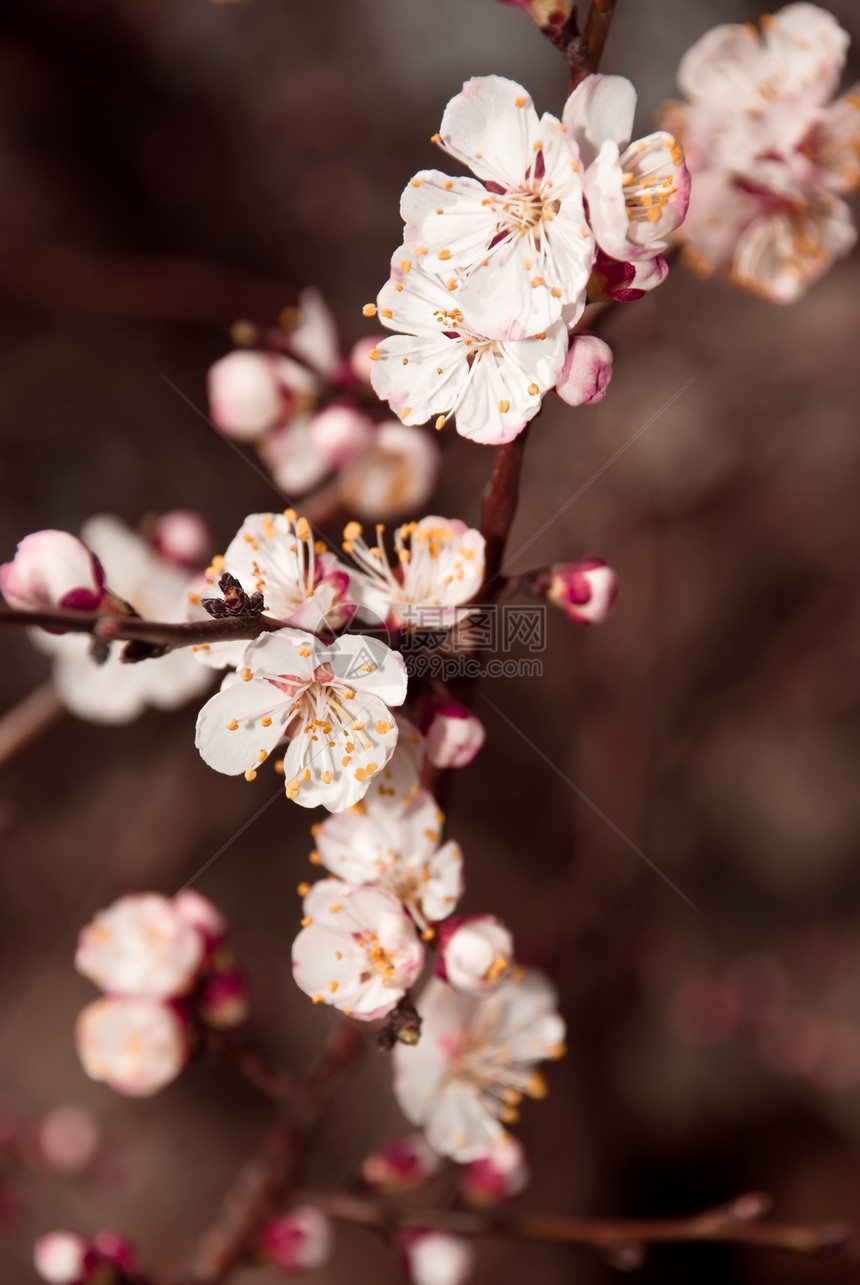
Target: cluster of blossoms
162,964
67,1258
494,271
770,150
311,415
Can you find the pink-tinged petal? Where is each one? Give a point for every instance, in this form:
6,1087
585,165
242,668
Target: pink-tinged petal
497,1177
249,394
395,477
183,537
314,340
140,945
833,143
600,110
492,127
50,570
241,723
475,954
585,590
454,735
292,459
780,255
723,68
808,46
298,1241
136,1046
586,372
340,434
419,381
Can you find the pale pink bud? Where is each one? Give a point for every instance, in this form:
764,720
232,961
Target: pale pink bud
360,361
184,537
246,395
340,434
298,1241
437,1258
110,1247
223,1000
140,945
136,1046
405,1164
53,570
625,282
395,476
476,954
201,914
66,1139
499,1176
60,1258
586,372
585,590
452,732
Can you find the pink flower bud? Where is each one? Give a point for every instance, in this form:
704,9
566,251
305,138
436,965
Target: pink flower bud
475,954
110,1247
223,1000
585,590
395,476
586,372
53,570
436,1258
625,282
405,1164
360,361
249,394
141,945
199,912
66,1140
500,1175
136,1046
60,1258
298,1241
183,537
452,732
340,434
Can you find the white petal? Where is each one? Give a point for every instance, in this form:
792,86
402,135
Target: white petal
314,339
234,749
600,110
449,220
492,126
460,1126
420,379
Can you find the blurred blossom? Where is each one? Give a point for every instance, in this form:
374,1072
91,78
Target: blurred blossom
141,945
585,590
791,1040
770,150
358,949
475,954
223,1000
298,1241
436,1258
499,1176
251,393
360,360
453,734
587,371
60,1258
757,984
395,477
66,1139
341,434
703,1011
475,1061
206,919
184,537
136,1046
407,1163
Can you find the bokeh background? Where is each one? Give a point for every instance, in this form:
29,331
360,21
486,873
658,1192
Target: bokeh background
169,166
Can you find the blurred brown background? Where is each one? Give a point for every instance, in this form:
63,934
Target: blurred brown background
168,166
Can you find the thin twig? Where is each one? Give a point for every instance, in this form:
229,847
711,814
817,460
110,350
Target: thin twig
597,29
499,507
25,722
111,628
736,1223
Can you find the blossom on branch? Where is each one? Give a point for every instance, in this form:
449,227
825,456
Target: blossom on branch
436,1258
453,733
53,570
443,364
439,564
637,192
475,1061
358,949
298,1241
476,954
517,241
585,590
142,945
398,851
136,1046
407,1163
587,371
770,151
332,702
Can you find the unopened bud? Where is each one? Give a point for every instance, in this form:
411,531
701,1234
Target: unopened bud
454,735
587,371
53,570
476,954
298,1241
585,590
499,1176
223,1000
405,1164
625,282
248,394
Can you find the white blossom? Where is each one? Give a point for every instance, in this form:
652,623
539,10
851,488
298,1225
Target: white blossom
439,565
60,1257
476,954
399,851
331,701
587,371
136,1046
141,945
518,241
475,1061
395,476
437,1258
358,949
443,364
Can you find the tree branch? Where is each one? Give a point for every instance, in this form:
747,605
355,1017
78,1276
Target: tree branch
736,1223
110,628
